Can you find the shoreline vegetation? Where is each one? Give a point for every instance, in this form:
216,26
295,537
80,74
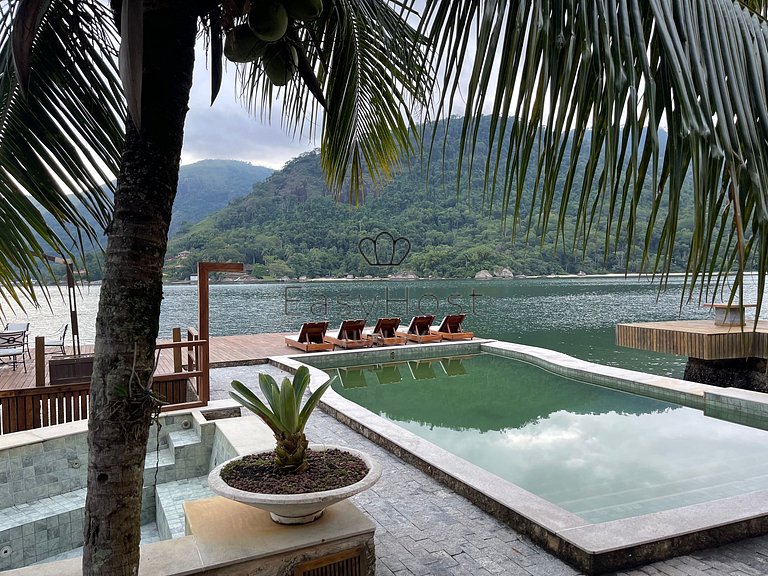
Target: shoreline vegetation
241,279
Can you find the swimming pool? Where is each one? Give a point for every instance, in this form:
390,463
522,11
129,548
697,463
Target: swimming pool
734,509
599,453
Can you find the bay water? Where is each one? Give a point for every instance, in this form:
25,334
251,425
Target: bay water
576,316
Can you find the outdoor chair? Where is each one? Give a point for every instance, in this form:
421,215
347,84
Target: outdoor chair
350,335
388,374
450,328
12,346
422,369
351,378
57,340
20,327
418,330
385,333
310,338
453,366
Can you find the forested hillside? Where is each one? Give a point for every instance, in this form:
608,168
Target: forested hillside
204,188
292,226
208,186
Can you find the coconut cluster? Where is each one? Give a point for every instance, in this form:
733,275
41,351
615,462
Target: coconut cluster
263,37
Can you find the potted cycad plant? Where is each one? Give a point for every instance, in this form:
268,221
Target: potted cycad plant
296,481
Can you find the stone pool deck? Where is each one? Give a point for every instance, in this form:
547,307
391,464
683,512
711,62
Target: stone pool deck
423,528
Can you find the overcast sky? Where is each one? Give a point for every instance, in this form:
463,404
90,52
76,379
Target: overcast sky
226,130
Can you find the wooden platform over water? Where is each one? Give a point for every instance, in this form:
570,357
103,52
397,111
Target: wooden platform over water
696,339
224,351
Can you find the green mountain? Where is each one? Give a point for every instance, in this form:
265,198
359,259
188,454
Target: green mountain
291,225
209,185
204,188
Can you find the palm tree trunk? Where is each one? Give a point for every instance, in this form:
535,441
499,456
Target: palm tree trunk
129,307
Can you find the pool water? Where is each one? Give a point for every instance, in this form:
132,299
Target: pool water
599,453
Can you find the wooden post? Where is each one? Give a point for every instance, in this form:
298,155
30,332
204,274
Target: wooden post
203,317
39,360
177,351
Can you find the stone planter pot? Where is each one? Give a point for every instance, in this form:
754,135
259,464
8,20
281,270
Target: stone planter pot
297,508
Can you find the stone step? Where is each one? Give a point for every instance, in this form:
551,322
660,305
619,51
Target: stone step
168,503
185,457
162,461
35,530
191,456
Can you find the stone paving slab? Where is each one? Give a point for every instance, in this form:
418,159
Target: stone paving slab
423,528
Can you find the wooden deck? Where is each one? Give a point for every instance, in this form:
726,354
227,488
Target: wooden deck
696,339
224,351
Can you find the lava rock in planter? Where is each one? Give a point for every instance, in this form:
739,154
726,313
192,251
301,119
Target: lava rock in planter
268,19
280,63
304,10
242,45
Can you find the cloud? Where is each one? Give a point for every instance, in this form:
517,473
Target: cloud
227,131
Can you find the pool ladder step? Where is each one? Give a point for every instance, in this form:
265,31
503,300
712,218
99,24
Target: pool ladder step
168,504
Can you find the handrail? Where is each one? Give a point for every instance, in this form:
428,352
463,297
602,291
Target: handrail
46,404
47,390
182,344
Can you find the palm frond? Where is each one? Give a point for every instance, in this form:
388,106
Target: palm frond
60,141
618,71
369,64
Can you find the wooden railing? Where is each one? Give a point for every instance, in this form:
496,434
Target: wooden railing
186,385
29,408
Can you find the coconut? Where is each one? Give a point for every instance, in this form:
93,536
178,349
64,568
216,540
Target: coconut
242,45
268,19
280,63
304,10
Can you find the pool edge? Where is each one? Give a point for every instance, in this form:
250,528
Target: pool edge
593,548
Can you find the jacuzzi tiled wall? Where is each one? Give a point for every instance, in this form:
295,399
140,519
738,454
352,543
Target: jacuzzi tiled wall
42,487
43,469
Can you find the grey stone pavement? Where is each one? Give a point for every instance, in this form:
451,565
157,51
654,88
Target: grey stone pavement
423,528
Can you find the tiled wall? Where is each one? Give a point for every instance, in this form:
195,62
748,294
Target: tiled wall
737,406
391,354
42,486
43,469
221,451
31,541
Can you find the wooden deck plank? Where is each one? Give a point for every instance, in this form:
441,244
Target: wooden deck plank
696,339
224,350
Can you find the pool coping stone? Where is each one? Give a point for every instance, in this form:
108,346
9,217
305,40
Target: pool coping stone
594,548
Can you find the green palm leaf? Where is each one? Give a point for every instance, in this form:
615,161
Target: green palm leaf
300,383
61,142
270,390
369,64
618,71
312,402
288,405
243,395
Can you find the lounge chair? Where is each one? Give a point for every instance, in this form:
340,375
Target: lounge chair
310,337
422,369
12,346
350,335
453,366
385,333
418,330
20,327
352,377
57,340
388,374
450,328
